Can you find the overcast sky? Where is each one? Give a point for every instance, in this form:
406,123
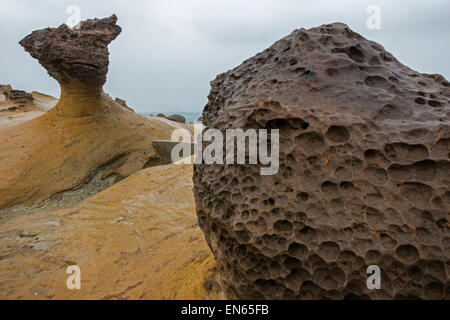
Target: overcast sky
170,50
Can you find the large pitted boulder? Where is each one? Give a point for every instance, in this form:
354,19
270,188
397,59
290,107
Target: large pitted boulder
86,133
363,178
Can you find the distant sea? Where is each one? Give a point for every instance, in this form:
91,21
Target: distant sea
190,116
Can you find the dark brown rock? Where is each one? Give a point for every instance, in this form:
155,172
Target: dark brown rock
80,54
19,96
363,179
177,118
5,88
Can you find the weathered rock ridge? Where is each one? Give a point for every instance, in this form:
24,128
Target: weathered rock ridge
86,133
18,106
363,179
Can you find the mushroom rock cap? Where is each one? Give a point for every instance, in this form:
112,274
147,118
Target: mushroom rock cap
363,173
74,53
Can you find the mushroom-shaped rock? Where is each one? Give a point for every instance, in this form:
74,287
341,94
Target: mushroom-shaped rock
87,134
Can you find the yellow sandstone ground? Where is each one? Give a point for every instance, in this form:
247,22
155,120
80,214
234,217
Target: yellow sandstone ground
138,239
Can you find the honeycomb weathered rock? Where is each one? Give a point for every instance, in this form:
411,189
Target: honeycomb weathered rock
363,179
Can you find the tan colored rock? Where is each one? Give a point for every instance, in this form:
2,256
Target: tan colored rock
363,177
138,239
43,102
14,112
4,88
63,148
123,103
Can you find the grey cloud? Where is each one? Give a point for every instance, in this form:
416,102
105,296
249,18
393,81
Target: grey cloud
170,50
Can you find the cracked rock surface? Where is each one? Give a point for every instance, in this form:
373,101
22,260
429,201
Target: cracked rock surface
363,177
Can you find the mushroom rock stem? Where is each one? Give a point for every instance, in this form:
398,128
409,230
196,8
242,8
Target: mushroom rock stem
78,98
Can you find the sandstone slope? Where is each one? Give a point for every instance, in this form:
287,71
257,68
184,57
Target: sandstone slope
138,239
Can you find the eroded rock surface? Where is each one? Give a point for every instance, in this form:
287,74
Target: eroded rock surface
138,239
19,96
124,104
177,118
18,106
363,179
5,87
85,133
80,53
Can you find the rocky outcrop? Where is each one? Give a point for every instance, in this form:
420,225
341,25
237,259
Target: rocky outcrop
15,99
363,177
22,107
19,97
79,53
165,149
123,103
5,87
85,133
177,118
